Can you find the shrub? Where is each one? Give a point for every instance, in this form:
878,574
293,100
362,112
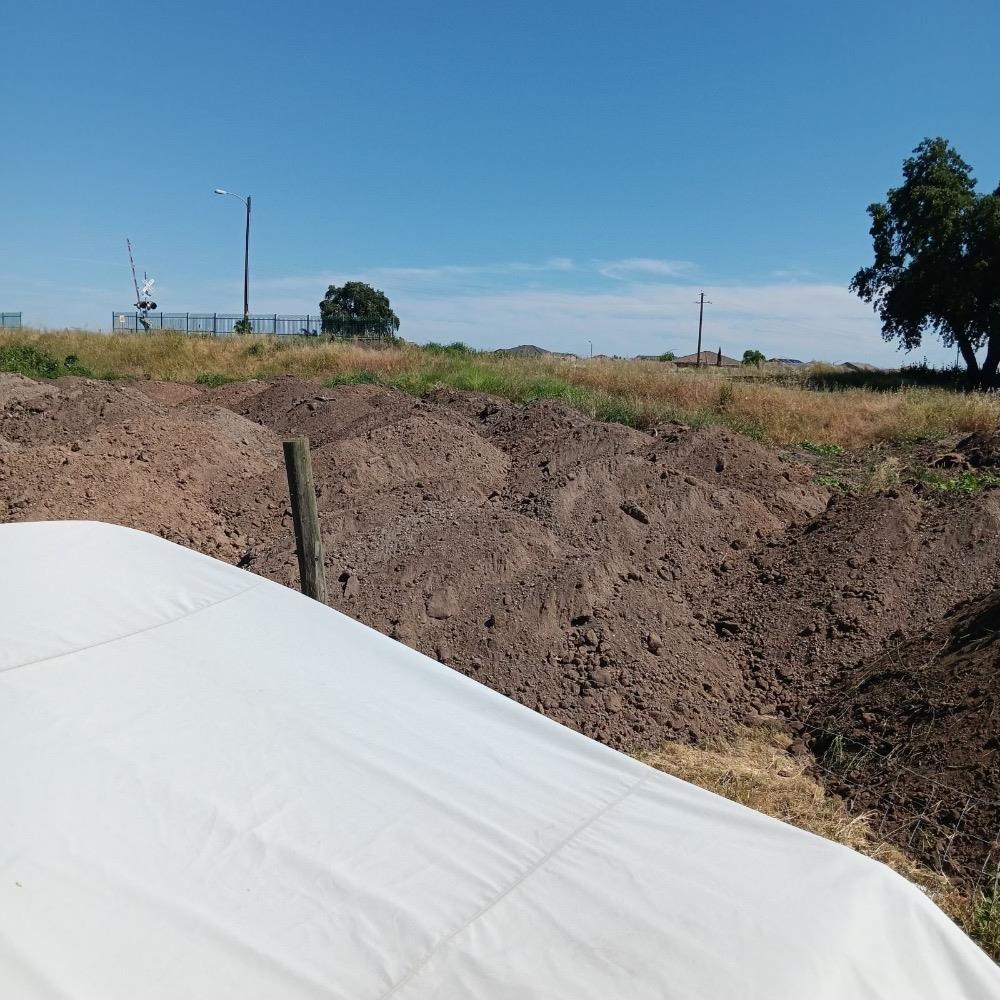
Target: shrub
454,348
26,359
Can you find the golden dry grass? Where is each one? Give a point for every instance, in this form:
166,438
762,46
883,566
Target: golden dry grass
754,768
633,392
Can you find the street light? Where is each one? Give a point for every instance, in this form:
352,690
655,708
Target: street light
246,259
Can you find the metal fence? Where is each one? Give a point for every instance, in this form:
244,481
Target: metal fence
224,325
10,320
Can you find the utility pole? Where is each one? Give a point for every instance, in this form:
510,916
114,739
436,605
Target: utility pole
701,317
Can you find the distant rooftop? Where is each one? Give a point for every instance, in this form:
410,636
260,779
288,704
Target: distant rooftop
707,358
532,351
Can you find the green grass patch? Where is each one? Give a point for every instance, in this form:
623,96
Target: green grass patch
834,483
214,379
821,448
964,482
34,362
361,377
983,925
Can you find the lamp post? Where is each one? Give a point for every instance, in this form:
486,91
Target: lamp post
246,259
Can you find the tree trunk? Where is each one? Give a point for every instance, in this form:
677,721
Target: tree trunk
968,355
988,373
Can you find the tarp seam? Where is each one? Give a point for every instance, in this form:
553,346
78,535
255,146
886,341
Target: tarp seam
139,631
526,874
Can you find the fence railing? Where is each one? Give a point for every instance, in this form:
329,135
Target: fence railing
224,325
10,320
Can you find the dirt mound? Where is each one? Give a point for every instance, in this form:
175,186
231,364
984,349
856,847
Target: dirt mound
811,603
16,388
70,408
107,453
170,393
297,407
914,734
981,450
561,560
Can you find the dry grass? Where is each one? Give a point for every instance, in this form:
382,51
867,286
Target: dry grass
632,392
755,769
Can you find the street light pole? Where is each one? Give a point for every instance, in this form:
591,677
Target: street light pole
246,269
246,258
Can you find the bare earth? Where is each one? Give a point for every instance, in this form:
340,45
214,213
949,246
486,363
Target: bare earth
639,587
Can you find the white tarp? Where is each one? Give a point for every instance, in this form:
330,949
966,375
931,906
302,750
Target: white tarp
212,788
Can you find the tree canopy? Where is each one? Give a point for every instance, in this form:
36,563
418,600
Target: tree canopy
936,243
355,309
755,358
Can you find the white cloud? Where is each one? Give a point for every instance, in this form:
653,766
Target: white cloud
560,264
639,268
793,273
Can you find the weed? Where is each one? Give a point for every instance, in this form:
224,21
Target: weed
880,474
825,448
361,377
965,482
725,397
831,482
213,379
983,923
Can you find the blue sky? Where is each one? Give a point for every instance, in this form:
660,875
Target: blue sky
539,172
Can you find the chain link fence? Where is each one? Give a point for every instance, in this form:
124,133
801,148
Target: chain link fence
225,324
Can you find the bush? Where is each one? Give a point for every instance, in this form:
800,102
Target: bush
26,359
454,348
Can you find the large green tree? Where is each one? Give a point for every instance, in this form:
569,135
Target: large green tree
937,259
355,309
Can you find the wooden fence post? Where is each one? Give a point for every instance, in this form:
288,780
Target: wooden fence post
308,540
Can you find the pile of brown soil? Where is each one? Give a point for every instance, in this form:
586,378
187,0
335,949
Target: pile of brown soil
639,587
914,735
811,604
560,560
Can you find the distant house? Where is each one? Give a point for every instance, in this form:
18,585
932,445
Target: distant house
784,361
859,366
707,359
531,351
